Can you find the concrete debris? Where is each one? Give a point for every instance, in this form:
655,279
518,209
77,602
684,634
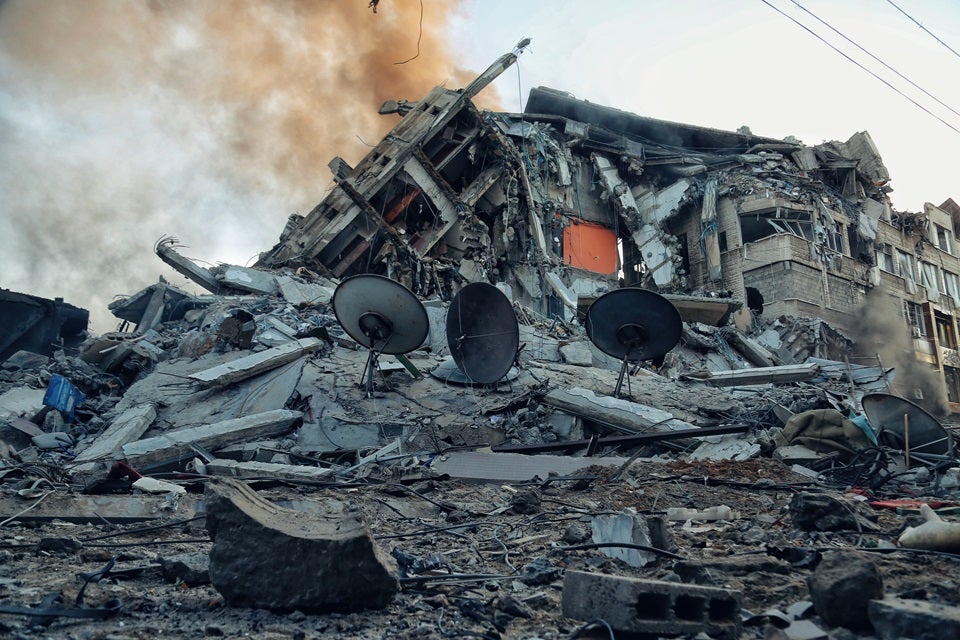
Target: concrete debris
800,291
650,606
269,557
894,618
849,578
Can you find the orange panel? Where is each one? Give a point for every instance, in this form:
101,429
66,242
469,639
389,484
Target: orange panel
590,246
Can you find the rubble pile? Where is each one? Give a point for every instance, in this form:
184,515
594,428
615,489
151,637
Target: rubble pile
237,463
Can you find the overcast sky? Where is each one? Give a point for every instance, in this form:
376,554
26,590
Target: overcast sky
121,122
727,63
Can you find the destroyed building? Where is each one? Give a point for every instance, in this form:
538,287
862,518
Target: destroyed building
754,484
570,199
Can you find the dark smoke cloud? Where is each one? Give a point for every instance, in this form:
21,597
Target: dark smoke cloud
883,332
121,122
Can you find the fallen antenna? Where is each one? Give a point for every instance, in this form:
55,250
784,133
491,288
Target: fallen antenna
633,325
382,315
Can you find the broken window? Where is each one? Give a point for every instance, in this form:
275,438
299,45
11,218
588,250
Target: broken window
930,278
951,286
914,317
906,266
945,333
885,258
941,237
756,226
832,235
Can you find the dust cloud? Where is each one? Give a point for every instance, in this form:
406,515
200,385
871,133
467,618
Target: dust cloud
121,122
883,332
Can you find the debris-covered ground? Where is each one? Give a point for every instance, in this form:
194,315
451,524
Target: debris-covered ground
480,545
259,461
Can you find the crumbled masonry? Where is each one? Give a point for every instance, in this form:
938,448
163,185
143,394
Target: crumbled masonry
215,467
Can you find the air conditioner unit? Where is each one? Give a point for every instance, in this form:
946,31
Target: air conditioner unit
915,332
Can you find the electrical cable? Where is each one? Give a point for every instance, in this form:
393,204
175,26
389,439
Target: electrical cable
821,39
916,22
900,75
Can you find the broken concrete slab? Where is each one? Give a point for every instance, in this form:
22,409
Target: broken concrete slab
783,374
725,447
652,606
265,556
629,527
896,618
245,279
577,353
236,469
303,294
249,366
624,414
127,427
166,251
512,467
176,446
80,508
21,402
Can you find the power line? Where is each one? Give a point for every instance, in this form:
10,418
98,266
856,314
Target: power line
902,77
820,38
916,22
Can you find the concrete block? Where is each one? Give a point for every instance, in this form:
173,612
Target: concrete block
841,588
652,606
268,557
190,568
893,619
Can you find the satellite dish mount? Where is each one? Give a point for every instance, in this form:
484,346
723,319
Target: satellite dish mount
633,325
382,315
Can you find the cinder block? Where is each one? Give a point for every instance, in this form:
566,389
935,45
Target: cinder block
652,606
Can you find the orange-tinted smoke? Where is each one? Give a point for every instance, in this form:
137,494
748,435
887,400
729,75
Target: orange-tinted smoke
288,83
250,99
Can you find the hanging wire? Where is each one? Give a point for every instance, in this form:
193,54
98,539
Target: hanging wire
916,22
821,39
900,75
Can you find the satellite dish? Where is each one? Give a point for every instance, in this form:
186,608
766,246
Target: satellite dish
482,333
382,315
905,426
633,325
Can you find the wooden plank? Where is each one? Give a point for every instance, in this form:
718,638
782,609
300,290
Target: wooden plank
174,446
128,427
249,366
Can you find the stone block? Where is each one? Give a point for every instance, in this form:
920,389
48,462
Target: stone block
842,587
190,568
268,557
652,606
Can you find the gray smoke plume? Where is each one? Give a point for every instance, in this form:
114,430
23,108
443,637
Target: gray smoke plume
121,122
883,332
